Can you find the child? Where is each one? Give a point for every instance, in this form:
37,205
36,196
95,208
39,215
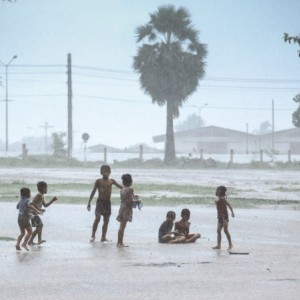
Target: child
128,200
38,202
103,205
165,229
24,218
182,228
223,219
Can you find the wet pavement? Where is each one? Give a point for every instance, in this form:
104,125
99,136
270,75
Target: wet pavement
67,266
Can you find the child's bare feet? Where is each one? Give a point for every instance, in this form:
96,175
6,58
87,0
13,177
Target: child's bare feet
18,248
92,239
216,247
103,240
230,247
25,247
121,245
41,242
32,243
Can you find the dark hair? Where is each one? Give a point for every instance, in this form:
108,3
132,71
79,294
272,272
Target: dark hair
171,214
25,192
221,191
185,212
41,184
127,179
105,167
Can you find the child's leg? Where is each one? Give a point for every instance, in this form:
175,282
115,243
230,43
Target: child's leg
178,240
219,237
227,235
193,237
35,232
121,234
95,227
104,227
39,233
29,232
20,237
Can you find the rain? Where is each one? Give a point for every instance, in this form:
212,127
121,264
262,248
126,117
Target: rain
120,83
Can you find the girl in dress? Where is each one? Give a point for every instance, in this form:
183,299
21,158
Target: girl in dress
128,200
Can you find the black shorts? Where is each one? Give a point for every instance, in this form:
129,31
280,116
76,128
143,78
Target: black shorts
222,220
23,221
103,208
36,221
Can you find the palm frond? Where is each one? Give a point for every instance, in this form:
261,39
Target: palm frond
143,31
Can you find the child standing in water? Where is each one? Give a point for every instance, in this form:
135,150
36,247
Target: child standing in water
221,204
125,211
103,204
165,229
38,202
24,217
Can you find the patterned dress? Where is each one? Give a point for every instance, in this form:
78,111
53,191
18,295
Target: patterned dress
125,211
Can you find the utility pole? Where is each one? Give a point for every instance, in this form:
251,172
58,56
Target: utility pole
247,142
70,96
6,99
46,126
273,127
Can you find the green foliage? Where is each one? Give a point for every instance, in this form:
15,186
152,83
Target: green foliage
296,114
170,63
192,121
292,39
59,144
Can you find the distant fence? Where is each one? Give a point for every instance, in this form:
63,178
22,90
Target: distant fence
111,157
231,157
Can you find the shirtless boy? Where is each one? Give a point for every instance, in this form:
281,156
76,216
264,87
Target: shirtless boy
182,229
38,202
103,204
223,219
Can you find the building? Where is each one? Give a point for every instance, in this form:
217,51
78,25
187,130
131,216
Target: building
218,140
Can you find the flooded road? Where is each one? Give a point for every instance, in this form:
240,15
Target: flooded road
67,266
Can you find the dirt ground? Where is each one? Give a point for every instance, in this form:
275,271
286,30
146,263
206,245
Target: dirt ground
67,266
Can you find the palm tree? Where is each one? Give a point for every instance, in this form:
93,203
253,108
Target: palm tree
170,64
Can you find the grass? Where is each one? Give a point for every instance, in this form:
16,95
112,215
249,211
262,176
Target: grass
151,194
6,238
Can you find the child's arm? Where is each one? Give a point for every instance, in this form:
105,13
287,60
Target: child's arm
50,202
116,184
92,195
228,204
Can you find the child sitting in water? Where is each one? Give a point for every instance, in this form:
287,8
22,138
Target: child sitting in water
182,229
165,234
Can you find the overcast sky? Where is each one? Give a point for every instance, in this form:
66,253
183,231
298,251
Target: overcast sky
248,66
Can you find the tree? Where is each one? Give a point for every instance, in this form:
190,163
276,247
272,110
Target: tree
264,127
192,121
170,65
59,144
292,39
296,114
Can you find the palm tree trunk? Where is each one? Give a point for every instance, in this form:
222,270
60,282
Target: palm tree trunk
170,156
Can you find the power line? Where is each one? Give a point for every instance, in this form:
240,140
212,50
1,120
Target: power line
212,78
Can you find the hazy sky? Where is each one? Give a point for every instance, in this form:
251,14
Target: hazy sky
248,65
